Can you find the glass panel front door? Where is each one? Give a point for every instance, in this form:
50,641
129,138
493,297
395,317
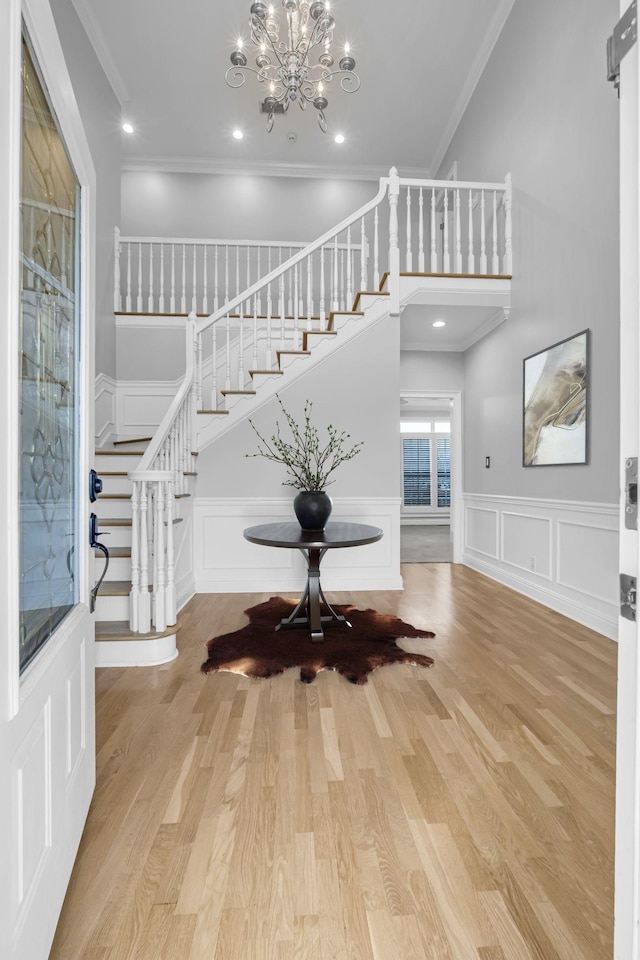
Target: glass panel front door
49,198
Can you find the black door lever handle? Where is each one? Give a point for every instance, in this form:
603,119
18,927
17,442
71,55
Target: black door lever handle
96,545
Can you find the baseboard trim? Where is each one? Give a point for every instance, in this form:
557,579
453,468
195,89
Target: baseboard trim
136,653
548,598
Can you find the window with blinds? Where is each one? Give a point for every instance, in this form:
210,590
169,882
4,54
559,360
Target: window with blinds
443,468
416,465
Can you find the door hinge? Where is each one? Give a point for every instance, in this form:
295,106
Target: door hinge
627,596
631,493
624,36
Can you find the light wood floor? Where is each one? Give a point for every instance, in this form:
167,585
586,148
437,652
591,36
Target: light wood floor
460,813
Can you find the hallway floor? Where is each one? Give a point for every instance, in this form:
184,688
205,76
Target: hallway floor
425,543
463,812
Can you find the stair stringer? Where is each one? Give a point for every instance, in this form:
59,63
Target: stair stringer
294,368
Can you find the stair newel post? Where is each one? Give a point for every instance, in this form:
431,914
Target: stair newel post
335,302
508,226
194,282
128,303
172,298
170,596
296,311
376,251
117,304
471,260
309,294
161,292
458,234
159,559
420,232
434,248
183,295
409,260
495,262
364,255
227,365
349,296
322,310
205,280
139,297
144,606
134,595
394,249
483,231
446,258
269,353
215,278
150,297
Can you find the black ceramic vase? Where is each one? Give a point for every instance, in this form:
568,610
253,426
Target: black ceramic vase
312,508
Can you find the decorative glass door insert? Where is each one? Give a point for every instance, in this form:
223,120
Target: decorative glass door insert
48,429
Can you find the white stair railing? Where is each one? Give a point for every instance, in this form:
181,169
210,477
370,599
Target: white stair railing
251,329
160,475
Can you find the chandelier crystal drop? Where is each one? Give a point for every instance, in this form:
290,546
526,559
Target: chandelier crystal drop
283,55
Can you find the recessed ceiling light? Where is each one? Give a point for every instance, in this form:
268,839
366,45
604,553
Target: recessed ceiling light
127,127
439,323
339,138
238,134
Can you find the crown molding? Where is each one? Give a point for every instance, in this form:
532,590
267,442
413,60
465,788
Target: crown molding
93,32
477,68
264,168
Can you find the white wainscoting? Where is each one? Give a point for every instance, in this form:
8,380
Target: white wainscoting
227,563
561,553
105,409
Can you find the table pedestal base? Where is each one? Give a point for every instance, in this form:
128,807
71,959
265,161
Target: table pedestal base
307,612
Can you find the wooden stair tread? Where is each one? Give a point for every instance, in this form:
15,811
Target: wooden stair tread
213,411
238,393
114,496
189,473
120,443
114,473
119,453
462,276
114,522
110,630
253,373
115,552
181,496
369,293
115,588
293,353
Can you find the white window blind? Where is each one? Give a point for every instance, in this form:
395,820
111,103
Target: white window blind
416,464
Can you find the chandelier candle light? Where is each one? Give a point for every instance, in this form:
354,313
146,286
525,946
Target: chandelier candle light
282,57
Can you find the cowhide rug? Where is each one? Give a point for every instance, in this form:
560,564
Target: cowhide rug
258,650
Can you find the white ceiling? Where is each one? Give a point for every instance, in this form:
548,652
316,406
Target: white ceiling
418,60
463,326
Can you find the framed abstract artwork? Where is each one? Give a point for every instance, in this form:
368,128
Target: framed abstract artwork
556,403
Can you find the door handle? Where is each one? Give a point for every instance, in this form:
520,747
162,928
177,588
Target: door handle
95,544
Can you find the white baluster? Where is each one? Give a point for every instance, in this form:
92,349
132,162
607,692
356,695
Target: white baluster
161,296
508,227
239,308
342,289
290,302
254,354
214,362
281,312
139,297
483,248
205,281
409,262
363,255
376,258
144,605
280,286
241,354
150,297
394,249
215,279
471,260
309,295
269,355
258,296
226,274
296,317
227,379
160,616
183,297
434,248
349,297
446,261
134,595
420,233
335,302
170,600
184,443
117,301
194,283
458,235
247,306
172,298
495,263
323,315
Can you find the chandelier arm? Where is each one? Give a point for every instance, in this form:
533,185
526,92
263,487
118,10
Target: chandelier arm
277,47
238,75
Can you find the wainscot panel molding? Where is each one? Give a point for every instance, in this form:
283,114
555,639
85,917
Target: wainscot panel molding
562,553
141,405
105,409
227,563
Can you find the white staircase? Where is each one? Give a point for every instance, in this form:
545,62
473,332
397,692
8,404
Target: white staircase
272,332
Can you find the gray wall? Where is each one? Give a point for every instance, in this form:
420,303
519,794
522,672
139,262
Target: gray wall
238,207
100,113
544,110
340,388
431,370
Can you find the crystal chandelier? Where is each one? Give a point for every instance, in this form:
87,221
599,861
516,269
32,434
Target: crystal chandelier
282,57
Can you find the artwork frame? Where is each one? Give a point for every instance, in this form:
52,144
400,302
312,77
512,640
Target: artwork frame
555,403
